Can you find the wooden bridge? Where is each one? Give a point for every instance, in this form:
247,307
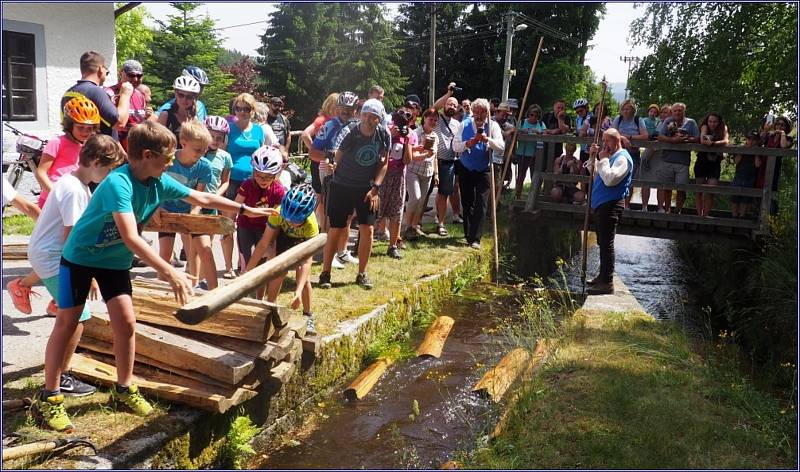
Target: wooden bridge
720,225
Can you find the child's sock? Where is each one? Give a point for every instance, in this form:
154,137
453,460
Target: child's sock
43,393
120,388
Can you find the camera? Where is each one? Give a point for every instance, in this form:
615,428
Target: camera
453,88
401,117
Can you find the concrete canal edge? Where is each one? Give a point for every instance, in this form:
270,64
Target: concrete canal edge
195,439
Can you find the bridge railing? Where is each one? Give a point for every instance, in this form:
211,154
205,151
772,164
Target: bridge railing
544,177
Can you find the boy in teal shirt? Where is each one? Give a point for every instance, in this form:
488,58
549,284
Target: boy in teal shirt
101,245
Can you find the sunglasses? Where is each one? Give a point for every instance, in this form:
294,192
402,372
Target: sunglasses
186,96
135,76
242,109
169,157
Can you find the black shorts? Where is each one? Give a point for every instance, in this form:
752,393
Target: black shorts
316,183
74,281
341,202
707,169
283,243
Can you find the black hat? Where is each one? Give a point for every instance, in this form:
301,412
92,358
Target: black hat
495,101
413,99
276,100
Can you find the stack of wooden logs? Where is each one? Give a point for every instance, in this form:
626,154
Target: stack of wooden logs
212,365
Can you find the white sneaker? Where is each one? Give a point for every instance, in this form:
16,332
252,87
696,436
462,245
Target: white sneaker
346,258
458,220
336,264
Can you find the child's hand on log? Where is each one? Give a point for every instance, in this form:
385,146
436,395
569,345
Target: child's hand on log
296,300
260,212
181,283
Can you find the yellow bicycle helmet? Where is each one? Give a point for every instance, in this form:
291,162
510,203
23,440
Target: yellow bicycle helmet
82,110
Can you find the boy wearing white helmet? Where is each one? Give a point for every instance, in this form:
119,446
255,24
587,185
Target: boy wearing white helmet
221,163
261,190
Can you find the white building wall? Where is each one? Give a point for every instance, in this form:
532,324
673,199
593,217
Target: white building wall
70,29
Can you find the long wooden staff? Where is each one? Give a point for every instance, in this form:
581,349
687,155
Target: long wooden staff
585,245
510,149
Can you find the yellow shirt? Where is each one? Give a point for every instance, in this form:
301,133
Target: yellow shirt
307,230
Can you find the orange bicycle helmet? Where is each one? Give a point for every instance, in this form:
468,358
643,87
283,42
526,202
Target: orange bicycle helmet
82,110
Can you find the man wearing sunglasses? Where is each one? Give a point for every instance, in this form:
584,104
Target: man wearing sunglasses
279,122
132,73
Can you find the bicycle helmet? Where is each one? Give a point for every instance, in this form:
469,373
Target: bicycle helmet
217,123
267,159
197,73
581,102
82,110
187,83
298,204
347,99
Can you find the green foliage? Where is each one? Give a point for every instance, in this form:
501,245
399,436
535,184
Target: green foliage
133,37
237,446
18,224
183,40
739,59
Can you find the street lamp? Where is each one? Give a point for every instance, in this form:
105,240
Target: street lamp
507,72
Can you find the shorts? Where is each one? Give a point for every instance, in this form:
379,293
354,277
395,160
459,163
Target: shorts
283,243
648,168
51,284
341,202
746,181
669,172
247,239
74,281
447,177
316,181
705,169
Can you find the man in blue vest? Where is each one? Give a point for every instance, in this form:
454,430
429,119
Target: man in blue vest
612,183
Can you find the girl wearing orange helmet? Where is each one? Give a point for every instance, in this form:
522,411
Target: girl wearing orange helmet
80,120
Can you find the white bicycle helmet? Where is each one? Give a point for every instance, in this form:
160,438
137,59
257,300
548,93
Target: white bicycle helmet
347,99
217,123
187,83
267,159
581,102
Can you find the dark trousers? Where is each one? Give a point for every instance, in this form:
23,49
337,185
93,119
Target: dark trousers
606,217
475,187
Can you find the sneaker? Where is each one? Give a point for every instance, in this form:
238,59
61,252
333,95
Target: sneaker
325,280
52,308
202,285
419,231
475,245
458,220
442,231
336,264
394,253
177,263
363,281
410,234
347,258
137,262
381,235
21,296
310,324
51,414
428,209
132,399
72,387
231,274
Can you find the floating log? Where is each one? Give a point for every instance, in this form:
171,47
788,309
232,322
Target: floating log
15,252
250,319
366,380
203,307
497,380
192,224
539,355
179,351
162,385
435,337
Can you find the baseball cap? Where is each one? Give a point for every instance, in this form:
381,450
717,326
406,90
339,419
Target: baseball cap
132,66
276,100
413,99
503,106
375,107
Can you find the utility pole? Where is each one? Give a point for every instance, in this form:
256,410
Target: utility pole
629,60
432,84
507,63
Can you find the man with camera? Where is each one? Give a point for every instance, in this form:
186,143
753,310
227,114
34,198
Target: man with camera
476,138
446,129
674,167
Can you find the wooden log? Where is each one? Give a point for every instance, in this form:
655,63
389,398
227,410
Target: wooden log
312,343
15,252
298,324
250,320
178,351
162,385
295,351
366,380
282,372
496,381
192,224
539,355
16,404
203,307
435,337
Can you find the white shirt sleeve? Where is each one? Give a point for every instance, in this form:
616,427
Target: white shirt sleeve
269,135
458,143
496,140
612,175
9,193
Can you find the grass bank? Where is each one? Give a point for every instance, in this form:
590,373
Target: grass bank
18,224
626,391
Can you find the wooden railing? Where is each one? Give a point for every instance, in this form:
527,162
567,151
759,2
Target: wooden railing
543,178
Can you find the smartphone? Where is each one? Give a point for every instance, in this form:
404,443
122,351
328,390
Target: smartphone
480,130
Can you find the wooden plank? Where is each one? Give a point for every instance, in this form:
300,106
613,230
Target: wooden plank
766,197
298,324
496,381
435,337
157,384
15,252
312,343
723,188
252,321
295,351
179,351
367,379
192,224
216,300
282,373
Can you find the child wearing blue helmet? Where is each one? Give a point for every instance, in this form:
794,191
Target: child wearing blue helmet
293,223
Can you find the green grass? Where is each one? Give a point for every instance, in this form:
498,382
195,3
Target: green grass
18,224
626,391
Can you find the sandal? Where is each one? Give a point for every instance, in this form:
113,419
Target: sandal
231,274
442,231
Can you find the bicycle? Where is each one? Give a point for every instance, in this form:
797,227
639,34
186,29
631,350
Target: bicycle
30,150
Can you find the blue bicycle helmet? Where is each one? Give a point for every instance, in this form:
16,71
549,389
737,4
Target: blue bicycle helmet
298,203
197,73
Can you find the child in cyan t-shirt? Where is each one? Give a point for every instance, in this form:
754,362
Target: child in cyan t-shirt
68,199
101,246
221,163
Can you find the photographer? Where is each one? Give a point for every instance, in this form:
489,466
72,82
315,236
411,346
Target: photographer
446,129
393,190
674,167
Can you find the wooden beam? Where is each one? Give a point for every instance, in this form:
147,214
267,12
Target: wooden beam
248,319
362,384
157,384
178,351
496,381
435,337
192,224
16,404
211,303
723,188
540,353
15,252
126,8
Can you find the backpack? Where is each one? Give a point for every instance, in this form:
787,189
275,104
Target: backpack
618,119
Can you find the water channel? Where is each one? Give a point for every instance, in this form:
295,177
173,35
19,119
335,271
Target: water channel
422,410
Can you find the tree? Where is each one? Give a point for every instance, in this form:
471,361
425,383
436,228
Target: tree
133,37
738,59
188,40
245,77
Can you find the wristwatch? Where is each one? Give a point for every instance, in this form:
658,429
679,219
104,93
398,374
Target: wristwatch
241,208
375,186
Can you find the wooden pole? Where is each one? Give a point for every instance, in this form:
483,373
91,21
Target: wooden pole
585,242
495,242
215,300
520,113
435,337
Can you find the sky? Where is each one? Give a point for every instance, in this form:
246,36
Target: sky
610,41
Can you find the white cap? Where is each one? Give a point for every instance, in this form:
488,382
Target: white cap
375,107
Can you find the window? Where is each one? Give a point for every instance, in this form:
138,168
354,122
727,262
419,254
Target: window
19,76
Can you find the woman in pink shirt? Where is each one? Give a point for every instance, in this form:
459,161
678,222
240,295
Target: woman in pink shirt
60,155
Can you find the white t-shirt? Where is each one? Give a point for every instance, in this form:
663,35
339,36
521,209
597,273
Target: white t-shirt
9,193
65,205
